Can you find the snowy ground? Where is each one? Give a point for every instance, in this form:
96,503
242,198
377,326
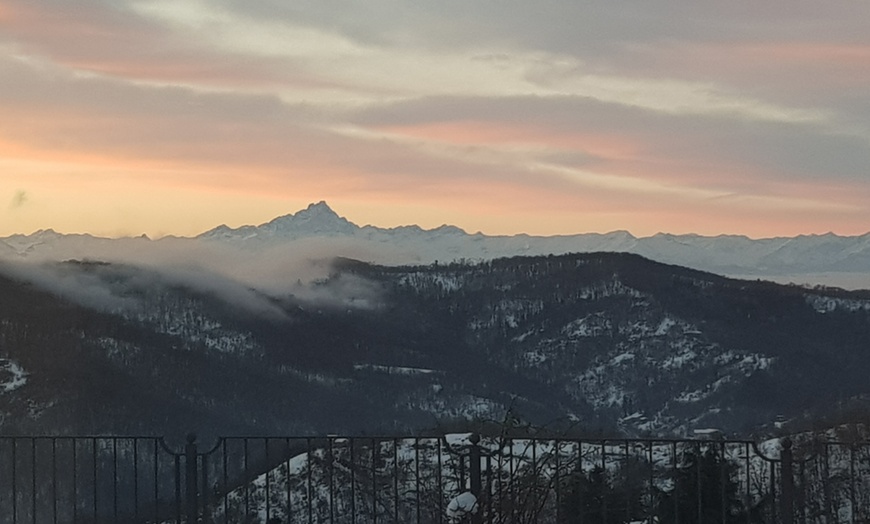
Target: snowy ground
12,375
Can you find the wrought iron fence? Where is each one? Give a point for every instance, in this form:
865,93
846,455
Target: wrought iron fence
431,479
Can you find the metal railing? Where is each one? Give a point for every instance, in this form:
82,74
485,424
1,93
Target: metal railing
431,479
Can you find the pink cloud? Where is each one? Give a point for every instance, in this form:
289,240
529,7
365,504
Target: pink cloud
235,143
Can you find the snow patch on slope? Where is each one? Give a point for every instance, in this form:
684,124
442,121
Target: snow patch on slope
824,304
12,375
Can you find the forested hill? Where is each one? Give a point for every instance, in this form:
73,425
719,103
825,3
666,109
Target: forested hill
613,342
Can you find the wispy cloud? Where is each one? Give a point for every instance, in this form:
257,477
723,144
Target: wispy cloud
602,116
19,199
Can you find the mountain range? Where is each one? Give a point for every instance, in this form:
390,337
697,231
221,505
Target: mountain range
828,259
311,324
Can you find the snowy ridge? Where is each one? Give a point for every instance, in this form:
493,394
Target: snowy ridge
827,259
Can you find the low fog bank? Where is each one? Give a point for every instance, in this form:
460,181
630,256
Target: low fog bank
254,276
850,281
301,271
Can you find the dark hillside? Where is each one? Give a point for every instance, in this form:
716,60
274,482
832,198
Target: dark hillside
613,341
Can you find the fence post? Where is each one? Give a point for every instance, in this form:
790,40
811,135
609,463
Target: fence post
787,482
190,457
205,492
475,476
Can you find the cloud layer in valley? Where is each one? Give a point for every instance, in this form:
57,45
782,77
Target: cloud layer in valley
109,275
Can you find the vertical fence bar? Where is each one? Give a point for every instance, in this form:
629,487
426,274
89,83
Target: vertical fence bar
287,482
724,478
115,478
474,474
309,465
512,470
604,470
352,444
190,475
773,486
581,480
499,474
675,463
395,480
557,481
439,475
374,482
488,489
535,471
156,483
178,489
136,478
748,466
652,485
225,490
698,461
416,477
625,463
331,474
852,481
801,495
14,480
268,483
205,490
461,473
33,479
786,476
96,453
246,474
829,504
54,478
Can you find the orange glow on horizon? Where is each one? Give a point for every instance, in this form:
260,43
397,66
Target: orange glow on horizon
187,199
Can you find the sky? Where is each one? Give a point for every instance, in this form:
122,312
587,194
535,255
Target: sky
124,117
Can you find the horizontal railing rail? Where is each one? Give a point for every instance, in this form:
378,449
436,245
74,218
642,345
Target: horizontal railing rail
431,479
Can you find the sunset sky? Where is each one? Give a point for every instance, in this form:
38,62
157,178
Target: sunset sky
122,117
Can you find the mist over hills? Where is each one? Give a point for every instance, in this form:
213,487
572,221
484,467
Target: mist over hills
318,232
613,343
828,257
310,324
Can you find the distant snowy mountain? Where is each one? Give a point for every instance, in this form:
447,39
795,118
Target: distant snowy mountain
819,259
445,324
825,259
807,259
316,220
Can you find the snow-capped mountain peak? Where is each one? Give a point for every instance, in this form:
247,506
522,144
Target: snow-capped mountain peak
316,220
318,211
